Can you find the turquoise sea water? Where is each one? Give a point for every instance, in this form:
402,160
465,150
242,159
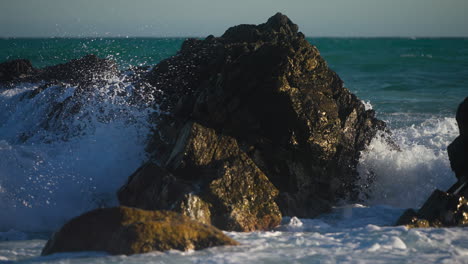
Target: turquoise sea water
413,84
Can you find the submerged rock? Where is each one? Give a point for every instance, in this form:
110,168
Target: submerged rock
447,208
254,124
124,230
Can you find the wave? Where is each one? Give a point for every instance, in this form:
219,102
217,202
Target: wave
406,177
55,167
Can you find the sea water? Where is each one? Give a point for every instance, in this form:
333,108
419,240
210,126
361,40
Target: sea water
49,175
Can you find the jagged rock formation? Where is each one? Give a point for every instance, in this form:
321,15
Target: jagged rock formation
124,230
254,123
447,208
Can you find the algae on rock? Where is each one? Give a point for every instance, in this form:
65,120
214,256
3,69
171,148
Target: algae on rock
125,230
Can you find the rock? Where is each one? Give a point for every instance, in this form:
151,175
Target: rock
15,69
217,183
411,219
440,210
161,188
458,149
124,230
458,156
462,118
254,121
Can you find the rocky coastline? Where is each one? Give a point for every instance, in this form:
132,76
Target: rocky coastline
250,127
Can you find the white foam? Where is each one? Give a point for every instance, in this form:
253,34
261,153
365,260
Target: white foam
312,244
295,222
406,177
367,105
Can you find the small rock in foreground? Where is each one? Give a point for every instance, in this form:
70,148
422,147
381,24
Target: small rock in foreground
125,230
440,210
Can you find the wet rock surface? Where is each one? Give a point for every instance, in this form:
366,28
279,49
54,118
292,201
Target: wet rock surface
255,126
124,230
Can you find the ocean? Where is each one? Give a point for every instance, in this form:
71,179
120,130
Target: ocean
49,176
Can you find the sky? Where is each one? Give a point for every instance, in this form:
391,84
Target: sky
170,18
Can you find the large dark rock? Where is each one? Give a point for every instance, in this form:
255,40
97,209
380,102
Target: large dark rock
124,230
458,149
253,120
462,118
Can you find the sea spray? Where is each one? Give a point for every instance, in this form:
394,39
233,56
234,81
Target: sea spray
405,177
57,164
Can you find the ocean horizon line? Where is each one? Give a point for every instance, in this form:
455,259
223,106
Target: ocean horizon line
202,37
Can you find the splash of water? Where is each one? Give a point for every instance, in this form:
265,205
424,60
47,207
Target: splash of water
406,177
64,151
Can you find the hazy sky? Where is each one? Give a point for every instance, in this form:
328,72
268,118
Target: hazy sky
66,18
